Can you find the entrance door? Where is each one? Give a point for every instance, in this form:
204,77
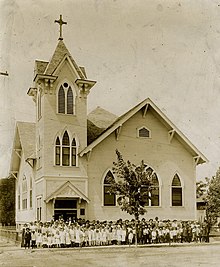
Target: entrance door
65,209
65,215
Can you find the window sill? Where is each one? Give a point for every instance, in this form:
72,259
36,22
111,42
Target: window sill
177,207
147,207
110,206
64,114
58,166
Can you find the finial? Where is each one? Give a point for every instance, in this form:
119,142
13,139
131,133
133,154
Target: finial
61,22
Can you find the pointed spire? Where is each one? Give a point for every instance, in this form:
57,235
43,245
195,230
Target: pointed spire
60,52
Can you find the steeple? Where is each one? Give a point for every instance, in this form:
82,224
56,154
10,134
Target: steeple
58,56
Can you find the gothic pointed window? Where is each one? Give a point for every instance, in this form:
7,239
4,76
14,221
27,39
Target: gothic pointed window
176,191
73,152
65,150
69,101
57,159
66,99
155,191
151,197
61,100
109,198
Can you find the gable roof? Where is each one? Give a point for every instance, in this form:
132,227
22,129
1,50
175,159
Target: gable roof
148,104
24,140
40,66
60,52
101,117
27,137
67,190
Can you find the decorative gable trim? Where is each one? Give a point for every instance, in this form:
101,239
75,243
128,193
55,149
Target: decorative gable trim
67,190
161,116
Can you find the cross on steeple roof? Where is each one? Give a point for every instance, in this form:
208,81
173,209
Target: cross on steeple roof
61,22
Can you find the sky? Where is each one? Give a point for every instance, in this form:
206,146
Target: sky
168,51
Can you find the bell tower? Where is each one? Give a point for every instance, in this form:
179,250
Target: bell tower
60,92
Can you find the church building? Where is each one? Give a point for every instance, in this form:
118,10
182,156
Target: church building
62,161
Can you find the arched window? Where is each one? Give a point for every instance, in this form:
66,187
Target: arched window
176,191
109,198
74,152
57,149
152,198
65,151
24,184
66,99
69,101
61,100
155,191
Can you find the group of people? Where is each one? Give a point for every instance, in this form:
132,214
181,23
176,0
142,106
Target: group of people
60,233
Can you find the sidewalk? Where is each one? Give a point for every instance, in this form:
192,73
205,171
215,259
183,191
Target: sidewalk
11,246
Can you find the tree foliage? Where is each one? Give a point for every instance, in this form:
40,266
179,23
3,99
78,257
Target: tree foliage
201,188
7,201
213,199
132,186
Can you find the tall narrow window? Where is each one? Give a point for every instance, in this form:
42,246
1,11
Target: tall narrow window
176,191
39,208
151,197
155,191
69,101
65,150
57,148
73,152
30,194
39,104
66,99
61,100
19,198
109,198
24,192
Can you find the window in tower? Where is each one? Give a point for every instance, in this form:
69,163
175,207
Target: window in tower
57,151
66,99
61,100
65,151
74,152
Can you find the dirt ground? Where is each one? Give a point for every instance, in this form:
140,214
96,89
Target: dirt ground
182,256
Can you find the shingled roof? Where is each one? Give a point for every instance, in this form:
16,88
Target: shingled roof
148,104
27,137
60,52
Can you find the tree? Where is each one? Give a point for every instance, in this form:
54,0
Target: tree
213,199
7,201
201,188
133,186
